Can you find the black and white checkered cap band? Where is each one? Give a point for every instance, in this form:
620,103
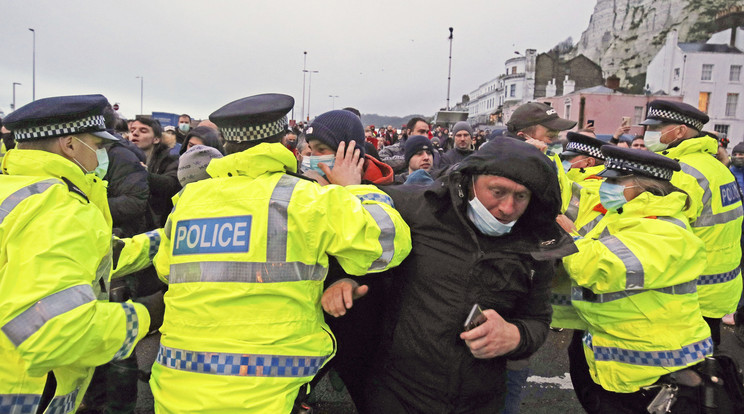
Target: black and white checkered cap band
589,150
666,114
635,168
93,123
254,132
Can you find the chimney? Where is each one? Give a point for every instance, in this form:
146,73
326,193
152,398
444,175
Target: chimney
550,89
613,82
568,86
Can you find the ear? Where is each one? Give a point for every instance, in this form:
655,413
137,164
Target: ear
682,132
591,162
67,147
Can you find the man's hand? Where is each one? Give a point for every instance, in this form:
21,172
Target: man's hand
622,129
341,295
566,223
493,338
348,167
537,144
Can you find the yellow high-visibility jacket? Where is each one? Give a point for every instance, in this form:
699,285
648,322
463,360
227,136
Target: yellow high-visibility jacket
55,257
245,254
717,221
585,211
636,275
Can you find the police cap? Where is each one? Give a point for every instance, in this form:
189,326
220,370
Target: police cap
253,118
628,161
668,112
59,116
580,144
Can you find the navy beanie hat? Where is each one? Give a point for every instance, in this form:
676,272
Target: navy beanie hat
335,127
738,148
416,143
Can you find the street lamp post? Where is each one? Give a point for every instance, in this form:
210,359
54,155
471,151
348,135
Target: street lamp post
142,92
333,101
33,67
309,86
304,69
449,72
13,105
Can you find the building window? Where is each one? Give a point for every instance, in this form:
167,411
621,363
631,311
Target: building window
707,72
514,70
512,91
637,115
735,73
721,129
567,111
703,101
731,100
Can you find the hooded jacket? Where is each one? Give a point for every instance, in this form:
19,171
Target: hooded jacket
453,266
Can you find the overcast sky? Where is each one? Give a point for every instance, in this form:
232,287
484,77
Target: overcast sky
381,56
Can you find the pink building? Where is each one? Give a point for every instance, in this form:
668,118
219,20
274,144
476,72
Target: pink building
605,107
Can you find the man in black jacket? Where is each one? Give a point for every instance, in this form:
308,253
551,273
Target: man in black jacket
483,234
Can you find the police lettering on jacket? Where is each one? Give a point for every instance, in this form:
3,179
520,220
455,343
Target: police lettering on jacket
213,235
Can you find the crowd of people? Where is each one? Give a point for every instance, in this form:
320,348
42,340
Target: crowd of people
421,267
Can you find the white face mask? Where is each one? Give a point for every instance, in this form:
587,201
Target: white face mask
652,140
484,221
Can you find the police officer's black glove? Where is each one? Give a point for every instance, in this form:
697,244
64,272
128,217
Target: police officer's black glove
156,307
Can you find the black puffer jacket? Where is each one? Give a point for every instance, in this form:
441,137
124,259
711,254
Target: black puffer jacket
453,265
127,189
163,181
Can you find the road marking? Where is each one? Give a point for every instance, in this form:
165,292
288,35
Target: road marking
562,382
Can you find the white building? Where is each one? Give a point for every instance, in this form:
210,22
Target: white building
485,100
707,76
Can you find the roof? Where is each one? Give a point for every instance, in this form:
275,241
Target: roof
599,89
707,47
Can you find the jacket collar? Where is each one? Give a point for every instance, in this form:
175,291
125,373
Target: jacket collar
377,172
704,144
253,162
37,163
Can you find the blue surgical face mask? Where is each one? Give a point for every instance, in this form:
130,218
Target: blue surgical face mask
103,161
311,162
184,127
484,221
612,196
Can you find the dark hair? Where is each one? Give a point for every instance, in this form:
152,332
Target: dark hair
186,115
209,137
121,125
353,111
109,117
413,121
152,123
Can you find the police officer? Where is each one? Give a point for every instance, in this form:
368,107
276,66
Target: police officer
56,257
635,287
673,129
245,255
582,161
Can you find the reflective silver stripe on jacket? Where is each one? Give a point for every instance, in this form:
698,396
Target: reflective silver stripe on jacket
17,197
32,319
585,295
684,356
572,212
674,221
244,365
245,272
29,403
718,278
276,239
707,218
132,328
387,236
591,225
633,267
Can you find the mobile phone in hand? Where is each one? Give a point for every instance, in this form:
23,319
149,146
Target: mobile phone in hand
590,123
475,318
626,121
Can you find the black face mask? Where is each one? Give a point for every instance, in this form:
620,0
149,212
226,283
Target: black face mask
291,144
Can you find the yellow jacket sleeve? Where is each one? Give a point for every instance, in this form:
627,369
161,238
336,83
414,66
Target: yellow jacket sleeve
368,235
137,252
51,316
